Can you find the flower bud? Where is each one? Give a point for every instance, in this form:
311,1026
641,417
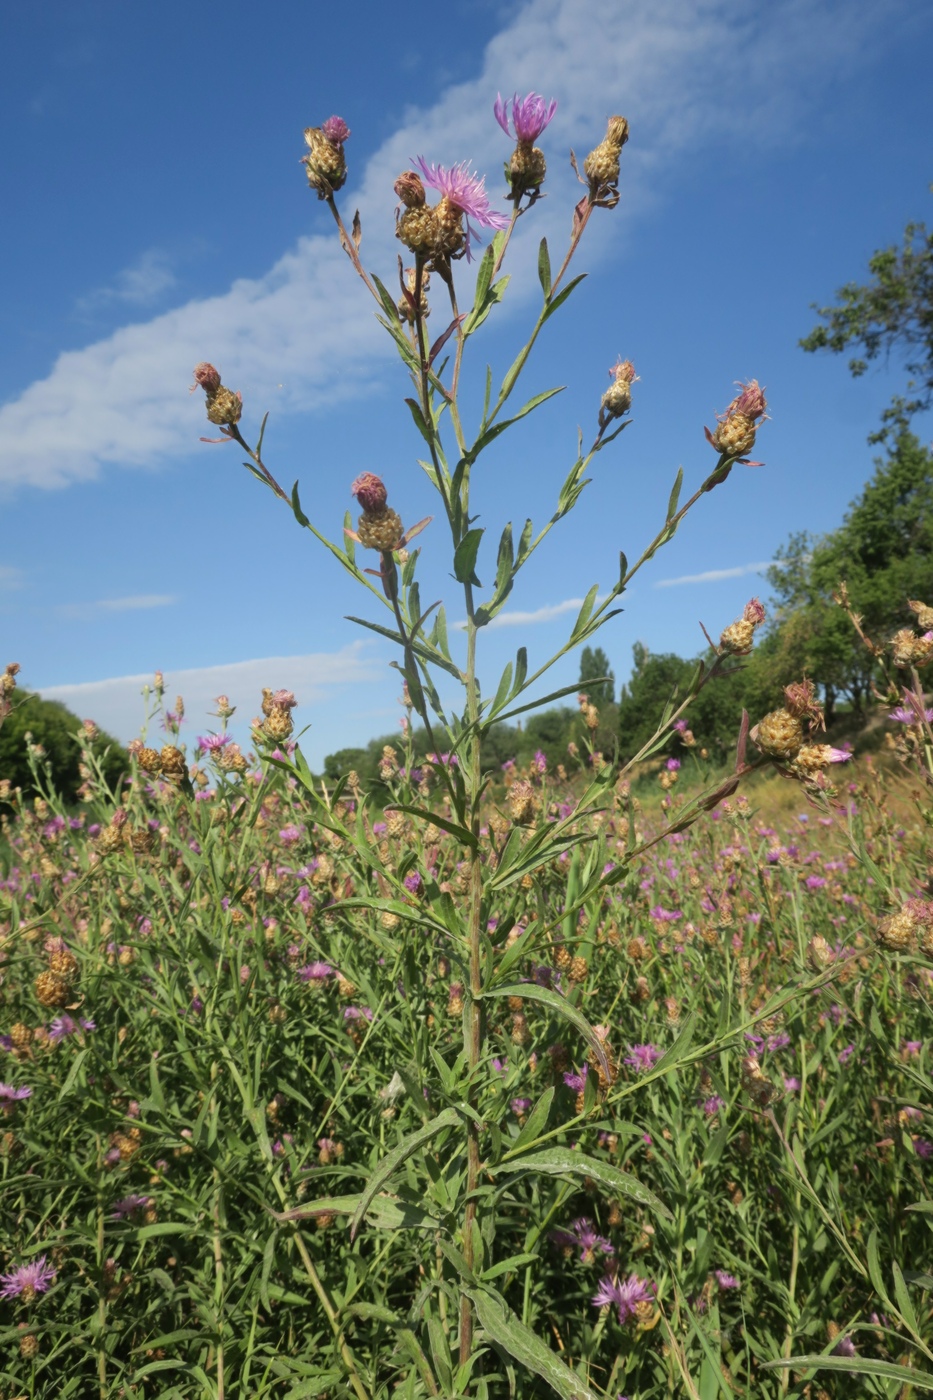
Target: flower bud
601,166
325,162
754,612
737,638
924,613
908,648
735,433
779,735
370,491
208,377
617,400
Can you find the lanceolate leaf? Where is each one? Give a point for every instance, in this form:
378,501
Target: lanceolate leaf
528,1349
406,1148
532,992
564,1161
857,1365
384,1212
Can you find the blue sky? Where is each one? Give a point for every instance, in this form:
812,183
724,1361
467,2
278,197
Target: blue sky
157,215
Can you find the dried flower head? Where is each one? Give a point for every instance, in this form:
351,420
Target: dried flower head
325,162
601,166
735,433
617,400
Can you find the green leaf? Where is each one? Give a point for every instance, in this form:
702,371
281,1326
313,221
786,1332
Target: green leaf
513,1337
874,1268
675,496
385,1212
483,278
465,558
419,648
586,609
858,1365
544,268
561,297
903,1300
406,1148
296,508
465,837
532,992
420,424
681,1044
389,305
565,1162
536,1122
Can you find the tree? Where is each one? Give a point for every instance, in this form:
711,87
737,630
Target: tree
643,699
882,551
54,727
596,676
893,311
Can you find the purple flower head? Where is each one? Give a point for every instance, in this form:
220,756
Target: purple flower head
211,743
290,834
576,1079
846,1054
336,130
624,1296
844,1347
589,1242
725,1280
530,115
130,1205
520,1105
10,1095
28,1280
539,762
643,1057
923,1148
413,883
466,192
672,765
779,1041
713,1104
791,1083
61,1028
315,972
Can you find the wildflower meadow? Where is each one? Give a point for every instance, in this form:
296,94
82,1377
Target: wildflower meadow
583,1079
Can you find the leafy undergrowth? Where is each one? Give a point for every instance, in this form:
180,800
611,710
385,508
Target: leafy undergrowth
207,1050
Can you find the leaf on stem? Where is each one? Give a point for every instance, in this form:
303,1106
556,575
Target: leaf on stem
544,268
465,558
567,1162
532,992
513,1337
406,1148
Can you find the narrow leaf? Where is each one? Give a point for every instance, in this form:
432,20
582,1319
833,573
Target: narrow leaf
544,268
857,1365
465,557
532,992
505,1329
564,1161
406,1148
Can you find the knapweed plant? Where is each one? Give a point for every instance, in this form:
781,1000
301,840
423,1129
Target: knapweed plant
452,1179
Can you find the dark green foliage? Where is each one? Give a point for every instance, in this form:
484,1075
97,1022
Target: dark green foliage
882,551
893,311
594,663
54,727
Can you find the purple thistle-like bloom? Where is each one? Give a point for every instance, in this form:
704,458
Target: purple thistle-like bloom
28,1280
64,1026
520,1105
903,715
725,1280
336,130
530,115
713,1104
624,1296
465,192
643,1057
129,1206
844,1347
576,1080
413,883
589,1242
315,972
10,1095
211,743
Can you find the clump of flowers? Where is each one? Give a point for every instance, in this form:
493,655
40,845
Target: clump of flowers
444,231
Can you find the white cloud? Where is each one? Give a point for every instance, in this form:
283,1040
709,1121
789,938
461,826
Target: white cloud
715,575
10,577
116,705
308,324
135,603
141,284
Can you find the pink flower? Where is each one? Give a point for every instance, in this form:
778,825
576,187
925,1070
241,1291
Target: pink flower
466,192
130,1205
754,612
212,743
28,1280
530,115
315,972
624,1296
370,491
643,1057
336,130
10,1095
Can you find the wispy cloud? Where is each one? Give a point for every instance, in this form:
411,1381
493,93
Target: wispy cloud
715,575
135,603
10,577
307,324
141,284
115,703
